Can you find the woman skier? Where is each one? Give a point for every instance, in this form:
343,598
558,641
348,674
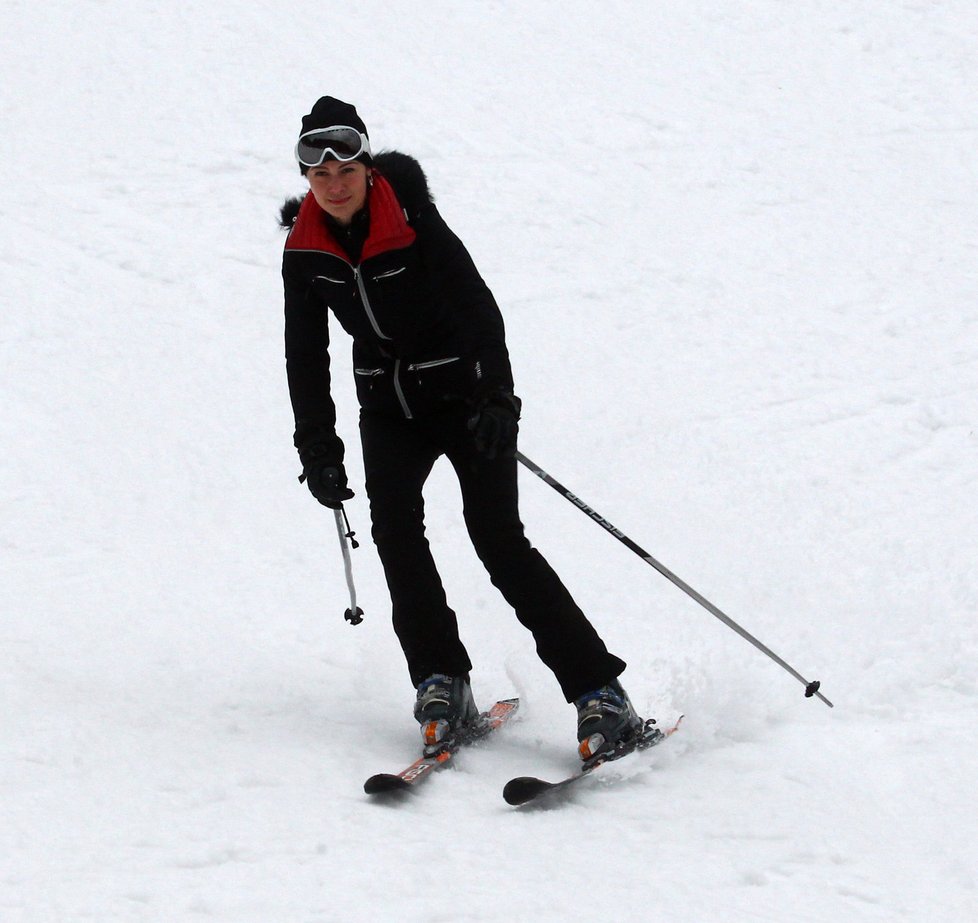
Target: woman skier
433,378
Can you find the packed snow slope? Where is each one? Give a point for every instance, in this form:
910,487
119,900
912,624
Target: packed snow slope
736,249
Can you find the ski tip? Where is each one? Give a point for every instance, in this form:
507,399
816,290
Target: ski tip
675,727
503,708
523,789
385,782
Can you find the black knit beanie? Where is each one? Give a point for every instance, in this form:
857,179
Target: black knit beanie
330,111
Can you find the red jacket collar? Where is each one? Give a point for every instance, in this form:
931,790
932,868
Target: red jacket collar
389,229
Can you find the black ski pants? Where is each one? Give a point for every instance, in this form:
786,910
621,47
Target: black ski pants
398,457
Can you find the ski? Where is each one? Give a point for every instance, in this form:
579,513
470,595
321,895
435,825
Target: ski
525,789
421,768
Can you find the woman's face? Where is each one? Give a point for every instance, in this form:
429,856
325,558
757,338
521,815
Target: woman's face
340,189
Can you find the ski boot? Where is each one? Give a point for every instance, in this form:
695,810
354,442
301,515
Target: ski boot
444,706
606,721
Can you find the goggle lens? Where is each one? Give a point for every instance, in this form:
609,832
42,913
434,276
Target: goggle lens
342,142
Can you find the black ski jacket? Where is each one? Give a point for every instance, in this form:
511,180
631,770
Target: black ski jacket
426,329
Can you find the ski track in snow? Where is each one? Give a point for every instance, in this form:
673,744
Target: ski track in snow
735,249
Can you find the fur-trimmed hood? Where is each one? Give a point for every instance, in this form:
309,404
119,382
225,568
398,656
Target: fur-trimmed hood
404,174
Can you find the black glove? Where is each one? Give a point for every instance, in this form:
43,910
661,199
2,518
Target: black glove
325,478
494,425
327,483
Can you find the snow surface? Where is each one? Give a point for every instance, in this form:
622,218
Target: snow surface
736,248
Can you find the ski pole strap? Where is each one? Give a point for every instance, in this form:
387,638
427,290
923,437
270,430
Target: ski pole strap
349,532
811,688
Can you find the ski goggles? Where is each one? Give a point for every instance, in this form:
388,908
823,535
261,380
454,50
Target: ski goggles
343,142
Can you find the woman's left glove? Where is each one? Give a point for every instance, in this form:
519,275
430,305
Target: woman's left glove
494,424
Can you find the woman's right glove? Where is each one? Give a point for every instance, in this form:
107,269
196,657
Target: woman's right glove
325,478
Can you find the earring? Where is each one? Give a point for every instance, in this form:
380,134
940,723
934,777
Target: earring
370,179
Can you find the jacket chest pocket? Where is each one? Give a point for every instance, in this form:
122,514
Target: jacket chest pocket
394,291
389,274
340,295
333,289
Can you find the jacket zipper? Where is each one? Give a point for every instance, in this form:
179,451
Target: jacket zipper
361,288
399,391
366,304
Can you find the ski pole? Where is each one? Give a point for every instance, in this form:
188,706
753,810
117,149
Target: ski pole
354,615
811,688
